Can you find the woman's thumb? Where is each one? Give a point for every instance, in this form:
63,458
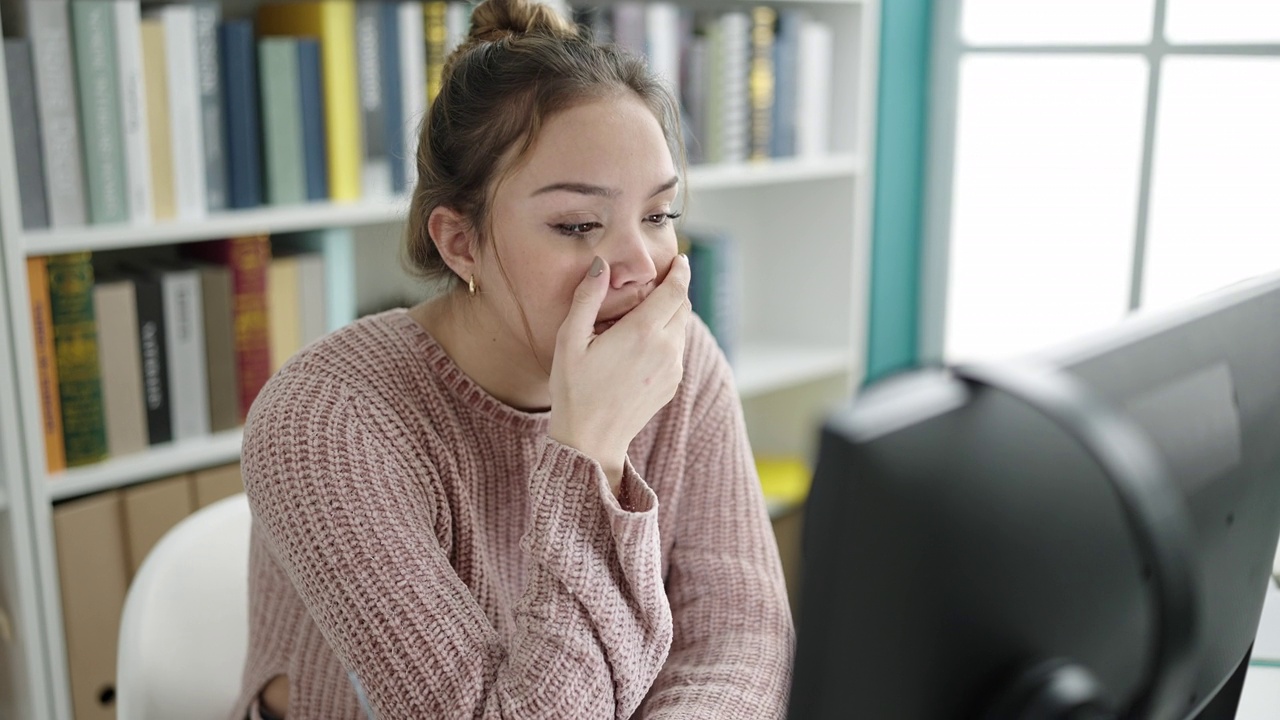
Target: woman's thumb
587,299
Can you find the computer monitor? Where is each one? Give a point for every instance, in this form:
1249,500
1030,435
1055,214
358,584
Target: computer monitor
1086,533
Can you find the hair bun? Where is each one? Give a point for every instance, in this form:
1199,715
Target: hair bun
493,20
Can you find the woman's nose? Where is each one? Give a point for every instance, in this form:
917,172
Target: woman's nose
630,259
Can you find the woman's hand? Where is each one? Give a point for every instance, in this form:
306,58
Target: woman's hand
605,388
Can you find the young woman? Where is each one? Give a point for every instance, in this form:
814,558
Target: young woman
532,496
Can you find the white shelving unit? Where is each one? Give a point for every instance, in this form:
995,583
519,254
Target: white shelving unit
802,225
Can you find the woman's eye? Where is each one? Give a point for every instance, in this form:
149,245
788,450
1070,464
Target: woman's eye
661,219
576,229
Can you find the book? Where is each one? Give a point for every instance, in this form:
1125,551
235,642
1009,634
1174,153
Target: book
149,510
49,30
457,25
333,24
761,83
813,95
238,53
55,455
207,17
662,42
26,133
93,579
247,258
694,94
185,125
392,100
337,246
75,338
120,365
152,344
184,339
97,84
376,162
413,82
786,53
734,117
133,110
283,309
218,318
283,151
435,32
313,318
715,290
311,97
160,138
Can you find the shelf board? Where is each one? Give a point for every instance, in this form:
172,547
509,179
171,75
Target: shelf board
769,172
760,369
162,461
310,216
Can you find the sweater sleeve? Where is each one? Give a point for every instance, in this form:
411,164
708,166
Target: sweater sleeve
734,639
355,531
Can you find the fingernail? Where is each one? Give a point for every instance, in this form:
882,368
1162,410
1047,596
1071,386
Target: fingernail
597,267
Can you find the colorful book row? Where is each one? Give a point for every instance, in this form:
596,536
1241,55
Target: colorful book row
138,354
131,113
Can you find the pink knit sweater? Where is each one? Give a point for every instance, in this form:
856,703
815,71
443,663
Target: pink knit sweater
415,531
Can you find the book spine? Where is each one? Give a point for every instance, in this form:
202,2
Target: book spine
337,246
249,259
814,92
376,177
94,36
54,74
413,82
311,100
116,313
26,133
207,17
283,309
761,82
55,455
662,30
786,79
185,350
152,333
218,316
184,110
238,53
392,100
76,344
133,109
735,117
160,145
312,311
457,25
283,156
435,32
695,93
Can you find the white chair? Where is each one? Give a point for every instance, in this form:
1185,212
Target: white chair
185,629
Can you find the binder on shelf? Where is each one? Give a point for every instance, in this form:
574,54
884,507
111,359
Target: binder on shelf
55,456
26,133
213,484
75,337
151,509
92,572
333,24
115,309
239,55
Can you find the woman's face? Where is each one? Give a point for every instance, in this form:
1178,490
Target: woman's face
599,180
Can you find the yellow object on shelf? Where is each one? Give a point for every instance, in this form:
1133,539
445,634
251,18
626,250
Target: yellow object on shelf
784,479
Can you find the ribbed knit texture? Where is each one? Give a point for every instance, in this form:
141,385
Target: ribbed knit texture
412,528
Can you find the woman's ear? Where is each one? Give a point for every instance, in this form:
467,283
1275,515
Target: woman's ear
455,238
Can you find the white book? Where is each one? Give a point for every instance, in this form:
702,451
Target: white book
813,96
312,315
133,110
662,31
184,110
184,348
49,27
413,84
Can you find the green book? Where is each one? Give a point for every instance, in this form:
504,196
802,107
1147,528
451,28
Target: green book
279,84
75,342
93,29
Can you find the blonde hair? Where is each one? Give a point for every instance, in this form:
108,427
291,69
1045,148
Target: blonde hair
521,64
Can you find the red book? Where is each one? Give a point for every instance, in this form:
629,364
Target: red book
248,259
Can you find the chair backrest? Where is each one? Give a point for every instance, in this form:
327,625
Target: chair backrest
185,630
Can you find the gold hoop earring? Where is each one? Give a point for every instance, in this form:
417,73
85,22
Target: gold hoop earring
471,286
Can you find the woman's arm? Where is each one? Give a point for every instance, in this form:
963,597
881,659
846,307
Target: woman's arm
355,530
733,641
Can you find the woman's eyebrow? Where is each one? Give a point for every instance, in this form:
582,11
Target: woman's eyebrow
598,190
666,185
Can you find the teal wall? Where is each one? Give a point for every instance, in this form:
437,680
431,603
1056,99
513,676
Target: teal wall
901,126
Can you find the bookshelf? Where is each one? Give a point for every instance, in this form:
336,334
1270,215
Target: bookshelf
801,224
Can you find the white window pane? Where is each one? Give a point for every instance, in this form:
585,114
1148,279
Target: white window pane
1040,22
1044,200
1215,185
1222,21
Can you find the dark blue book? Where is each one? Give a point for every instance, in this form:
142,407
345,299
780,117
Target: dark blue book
315,153
238,56
392,102
786,53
